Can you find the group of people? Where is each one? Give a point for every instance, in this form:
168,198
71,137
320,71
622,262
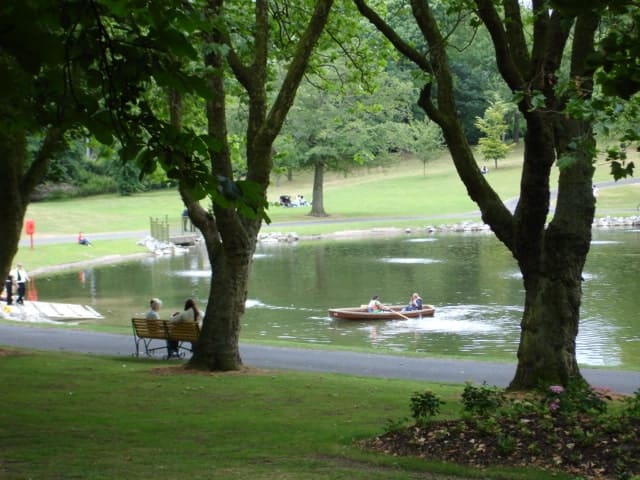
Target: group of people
374,305
17,280
285,201
190,313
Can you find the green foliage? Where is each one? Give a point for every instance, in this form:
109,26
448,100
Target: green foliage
632,405
355,127
494,127
425,406
395,425
481,400
576,398
578,437
506,444
619,52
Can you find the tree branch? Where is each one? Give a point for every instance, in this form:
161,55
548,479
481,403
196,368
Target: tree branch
53,141
511,52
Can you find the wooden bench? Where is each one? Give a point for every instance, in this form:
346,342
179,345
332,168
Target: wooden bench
145,330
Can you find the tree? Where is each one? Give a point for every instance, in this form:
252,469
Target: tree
494,127
237,48
552,77
427,140
335,131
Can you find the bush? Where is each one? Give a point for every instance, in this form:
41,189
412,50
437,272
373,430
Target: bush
482,400
632,406
425,406
576,397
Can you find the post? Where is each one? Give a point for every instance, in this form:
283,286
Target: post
30,228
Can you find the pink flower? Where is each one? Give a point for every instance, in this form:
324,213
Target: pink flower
555,405
556,388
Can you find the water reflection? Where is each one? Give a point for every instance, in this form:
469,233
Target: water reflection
473,281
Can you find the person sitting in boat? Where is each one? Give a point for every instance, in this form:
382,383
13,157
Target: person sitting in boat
375,306
415,303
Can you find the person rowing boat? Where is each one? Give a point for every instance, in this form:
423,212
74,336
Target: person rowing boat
375,306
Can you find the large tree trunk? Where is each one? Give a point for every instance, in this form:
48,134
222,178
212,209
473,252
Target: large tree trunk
317,201
12,152
230,259
552,272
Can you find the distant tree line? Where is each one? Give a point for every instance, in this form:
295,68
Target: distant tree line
338,123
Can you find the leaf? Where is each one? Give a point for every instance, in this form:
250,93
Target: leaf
619,170
566,161
99,125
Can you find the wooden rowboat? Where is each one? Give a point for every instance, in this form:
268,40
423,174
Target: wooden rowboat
395,313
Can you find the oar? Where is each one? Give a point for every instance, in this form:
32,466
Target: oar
397,312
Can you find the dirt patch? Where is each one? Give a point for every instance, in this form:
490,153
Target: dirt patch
4,352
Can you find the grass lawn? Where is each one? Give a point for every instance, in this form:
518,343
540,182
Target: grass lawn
87,417
70,254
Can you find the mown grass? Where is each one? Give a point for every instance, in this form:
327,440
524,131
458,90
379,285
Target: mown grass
76,416
68,255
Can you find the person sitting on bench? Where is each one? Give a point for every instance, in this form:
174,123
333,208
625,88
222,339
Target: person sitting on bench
189,314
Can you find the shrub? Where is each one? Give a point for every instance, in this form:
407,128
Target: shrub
424,406
632,406
576,397
483,399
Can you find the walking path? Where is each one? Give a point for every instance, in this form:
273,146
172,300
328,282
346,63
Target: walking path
310,360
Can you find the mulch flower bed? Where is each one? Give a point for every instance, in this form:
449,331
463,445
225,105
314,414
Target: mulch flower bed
593,445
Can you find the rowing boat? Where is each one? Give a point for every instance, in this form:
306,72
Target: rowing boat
393,313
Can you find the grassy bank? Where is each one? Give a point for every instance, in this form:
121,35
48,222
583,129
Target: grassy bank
75,416
398,196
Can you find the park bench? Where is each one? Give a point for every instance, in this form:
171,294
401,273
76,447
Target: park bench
146,330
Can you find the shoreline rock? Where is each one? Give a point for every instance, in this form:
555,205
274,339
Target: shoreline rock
463,227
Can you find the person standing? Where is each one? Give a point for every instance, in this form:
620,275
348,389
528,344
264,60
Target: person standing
8,289
185,219
21,278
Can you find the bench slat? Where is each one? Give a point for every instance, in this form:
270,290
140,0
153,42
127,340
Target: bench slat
185,331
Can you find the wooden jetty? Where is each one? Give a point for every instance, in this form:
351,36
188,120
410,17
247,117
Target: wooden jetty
43,311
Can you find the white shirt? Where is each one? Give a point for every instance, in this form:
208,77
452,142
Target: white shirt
19,275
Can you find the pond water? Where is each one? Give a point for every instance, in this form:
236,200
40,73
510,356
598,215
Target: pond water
471,279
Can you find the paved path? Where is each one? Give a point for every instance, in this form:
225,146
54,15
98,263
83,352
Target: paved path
351,363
